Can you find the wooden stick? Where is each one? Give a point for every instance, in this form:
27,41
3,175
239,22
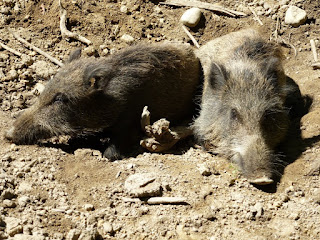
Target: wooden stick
204,5
190,36
10,49
167,200
314,50
38,50
256,17
277,29
65,32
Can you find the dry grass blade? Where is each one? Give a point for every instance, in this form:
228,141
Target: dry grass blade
204,5
38,50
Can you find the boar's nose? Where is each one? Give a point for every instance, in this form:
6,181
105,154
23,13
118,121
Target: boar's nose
9,134
251,174
261,181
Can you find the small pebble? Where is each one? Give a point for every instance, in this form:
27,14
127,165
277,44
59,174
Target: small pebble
107,228
88,207
191,17
124,9
127,38
204,170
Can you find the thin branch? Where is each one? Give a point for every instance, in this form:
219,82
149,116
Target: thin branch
10,49
185,29
204,5
38,50
65,32
167,200
256,17
314,50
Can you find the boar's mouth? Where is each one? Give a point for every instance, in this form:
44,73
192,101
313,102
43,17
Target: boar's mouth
255,174
31,136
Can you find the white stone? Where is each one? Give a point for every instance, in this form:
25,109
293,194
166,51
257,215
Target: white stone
191,17
88,207
127,38
295,16
124,9
142,185
107,228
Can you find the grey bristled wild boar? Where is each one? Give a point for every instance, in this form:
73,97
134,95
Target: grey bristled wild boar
108,94
242,115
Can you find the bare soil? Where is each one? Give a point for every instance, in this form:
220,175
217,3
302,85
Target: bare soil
45,190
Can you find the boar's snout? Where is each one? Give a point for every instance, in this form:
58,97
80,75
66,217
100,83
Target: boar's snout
254,159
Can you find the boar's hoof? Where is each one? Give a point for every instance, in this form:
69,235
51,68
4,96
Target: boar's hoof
261,181
112,153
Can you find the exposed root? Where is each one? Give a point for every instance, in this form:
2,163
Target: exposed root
160,137
65,32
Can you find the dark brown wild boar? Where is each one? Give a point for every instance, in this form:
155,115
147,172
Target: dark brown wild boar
243,115
108,94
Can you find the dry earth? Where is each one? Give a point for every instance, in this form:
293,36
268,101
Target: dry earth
52,192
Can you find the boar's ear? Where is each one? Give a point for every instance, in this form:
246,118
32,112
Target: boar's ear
75,54
272,68
217,75
97,77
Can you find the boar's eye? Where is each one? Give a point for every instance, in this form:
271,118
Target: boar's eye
234,114
60,98
270,115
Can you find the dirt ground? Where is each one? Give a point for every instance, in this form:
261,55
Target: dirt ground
50,192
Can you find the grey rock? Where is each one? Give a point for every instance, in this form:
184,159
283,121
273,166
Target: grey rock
142,185
295,16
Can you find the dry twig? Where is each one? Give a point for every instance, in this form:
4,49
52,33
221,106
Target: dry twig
167,200
314,50
204,5
10,49
38,50
256,17
190,36
65,32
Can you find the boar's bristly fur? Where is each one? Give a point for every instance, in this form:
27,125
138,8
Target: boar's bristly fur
242,112
108,94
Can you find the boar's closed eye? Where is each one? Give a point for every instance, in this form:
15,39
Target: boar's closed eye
234,114
60,98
